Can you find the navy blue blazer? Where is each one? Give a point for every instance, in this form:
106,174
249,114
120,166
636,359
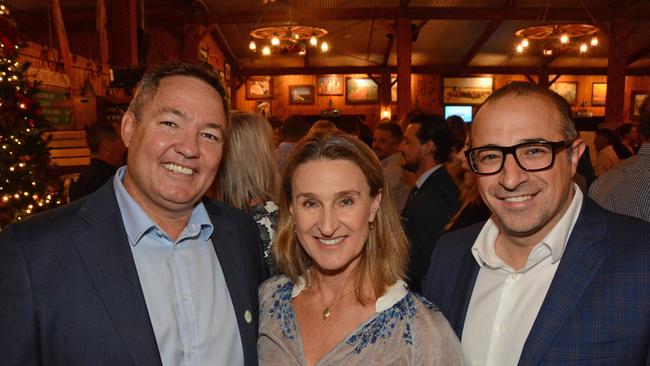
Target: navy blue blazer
597,309
70,293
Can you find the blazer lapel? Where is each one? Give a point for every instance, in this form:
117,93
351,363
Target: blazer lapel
464,289
579,263
225,241
104,248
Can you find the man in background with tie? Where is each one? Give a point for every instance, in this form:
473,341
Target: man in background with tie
434,199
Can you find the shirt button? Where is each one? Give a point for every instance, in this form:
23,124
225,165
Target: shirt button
500,328
516,276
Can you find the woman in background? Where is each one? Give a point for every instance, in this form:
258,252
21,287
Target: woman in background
342,253
247,178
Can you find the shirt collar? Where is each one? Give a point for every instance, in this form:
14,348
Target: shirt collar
138,224
553,244
425,176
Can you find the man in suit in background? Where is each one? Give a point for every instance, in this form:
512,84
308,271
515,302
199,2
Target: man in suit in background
106,155
434,199
143,271
551,278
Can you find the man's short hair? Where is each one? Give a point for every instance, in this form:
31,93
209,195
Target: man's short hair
607,134
393,128
98,132
560,104
434,128
148,86
624,129
294,127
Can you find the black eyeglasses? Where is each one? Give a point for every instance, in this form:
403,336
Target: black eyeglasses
530,156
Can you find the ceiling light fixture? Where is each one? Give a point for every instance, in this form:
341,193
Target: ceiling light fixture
287,39
552,38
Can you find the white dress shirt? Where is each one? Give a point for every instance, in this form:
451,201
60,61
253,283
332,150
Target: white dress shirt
505,302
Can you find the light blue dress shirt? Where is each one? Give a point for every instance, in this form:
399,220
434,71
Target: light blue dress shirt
184,287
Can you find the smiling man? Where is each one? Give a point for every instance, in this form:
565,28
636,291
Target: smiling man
143,271
550,278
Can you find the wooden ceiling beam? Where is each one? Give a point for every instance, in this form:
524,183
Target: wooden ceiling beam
438,70
480,41
639,54
421,13
389,49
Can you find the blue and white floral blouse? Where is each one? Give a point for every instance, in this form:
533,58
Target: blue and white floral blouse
405,330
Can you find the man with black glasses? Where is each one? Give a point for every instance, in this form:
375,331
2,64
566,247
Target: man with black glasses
550,278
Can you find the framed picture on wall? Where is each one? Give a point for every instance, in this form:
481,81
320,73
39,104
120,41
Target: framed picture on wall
301,94
598,93
361,91
472,90
263,107
259,87
330,84
637,99
567,90
393,90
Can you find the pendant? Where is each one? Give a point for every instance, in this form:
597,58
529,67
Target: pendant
326,313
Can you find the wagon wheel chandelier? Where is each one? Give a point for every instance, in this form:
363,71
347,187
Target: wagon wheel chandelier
553,38
287,39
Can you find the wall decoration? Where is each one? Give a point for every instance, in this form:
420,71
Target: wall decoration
361,91
598,93
263,107
472,90
393,90
567,90
330,84
637,100
259,87
301,94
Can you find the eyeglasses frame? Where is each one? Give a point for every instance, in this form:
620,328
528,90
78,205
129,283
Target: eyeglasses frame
511,150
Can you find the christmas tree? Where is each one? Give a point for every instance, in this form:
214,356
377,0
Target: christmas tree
27,182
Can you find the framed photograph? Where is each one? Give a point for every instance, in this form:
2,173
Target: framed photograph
361,91
637,100
226,70
263,107
473,90
393,90
301,94
567,90
598,93
259,87
330,84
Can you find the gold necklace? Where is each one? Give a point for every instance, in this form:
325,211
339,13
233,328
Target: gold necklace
327,311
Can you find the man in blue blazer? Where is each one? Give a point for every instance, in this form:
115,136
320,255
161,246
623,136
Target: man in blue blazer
550,278
143,271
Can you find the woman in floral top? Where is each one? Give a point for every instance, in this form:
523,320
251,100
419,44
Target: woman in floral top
247,178
341,298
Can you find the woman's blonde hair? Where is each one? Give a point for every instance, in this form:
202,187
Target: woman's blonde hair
384,257
248,173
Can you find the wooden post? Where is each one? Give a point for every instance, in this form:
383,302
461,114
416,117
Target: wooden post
101,29
543,79
384,91
616,65
62,37
124,32
403,66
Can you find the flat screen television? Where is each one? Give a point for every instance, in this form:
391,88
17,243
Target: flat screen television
463,111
